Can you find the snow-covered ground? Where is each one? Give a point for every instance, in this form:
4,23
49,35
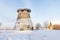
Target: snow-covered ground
30,35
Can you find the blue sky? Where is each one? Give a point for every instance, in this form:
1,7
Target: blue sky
42,10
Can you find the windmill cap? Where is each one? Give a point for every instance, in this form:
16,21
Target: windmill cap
24,9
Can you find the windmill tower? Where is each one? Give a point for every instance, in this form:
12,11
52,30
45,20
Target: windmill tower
23,20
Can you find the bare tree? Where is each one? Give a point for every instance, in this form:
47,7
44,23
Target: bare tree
46,24
0,24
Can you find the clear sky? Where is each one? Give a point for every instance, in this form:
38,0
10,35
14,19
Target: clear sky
42,10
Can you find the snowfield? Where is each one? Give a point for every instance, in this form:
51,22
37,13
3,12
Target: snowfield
30,35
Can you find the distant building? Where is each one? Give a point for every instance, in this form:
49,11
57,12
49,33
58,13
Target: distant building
50,26
54,27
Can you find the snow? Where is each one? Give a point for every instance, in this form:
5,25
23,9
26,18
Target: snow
30,35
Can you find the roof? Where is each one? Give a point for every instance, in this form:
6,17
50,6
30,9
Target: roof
28,10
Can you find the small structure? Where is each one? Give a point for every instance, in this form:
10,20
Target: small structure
23,20
50,26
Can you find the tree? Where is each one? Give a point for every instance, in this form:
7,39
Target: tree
0,24
37,27
46,24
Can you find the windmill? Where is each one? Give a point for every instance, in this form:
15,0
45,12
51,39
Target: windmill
23,20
